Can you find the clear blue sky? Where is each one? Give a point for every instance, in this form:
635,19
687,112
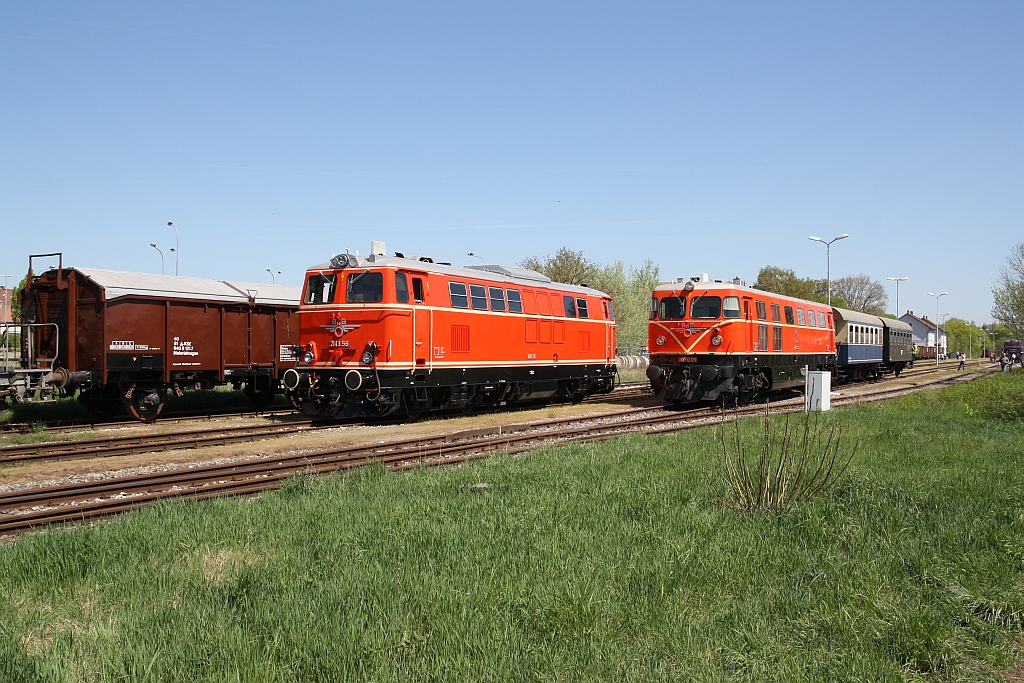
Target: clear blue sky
708,136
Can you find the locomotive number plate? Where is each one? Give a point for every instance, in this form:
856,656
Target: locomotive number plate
687,359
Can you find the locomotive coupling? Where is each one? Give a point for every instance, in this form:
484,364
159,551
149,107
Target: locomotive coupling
293,379
63,378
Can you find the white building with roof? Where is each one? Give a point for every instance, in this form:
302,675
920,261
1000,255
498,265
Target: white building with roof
925,332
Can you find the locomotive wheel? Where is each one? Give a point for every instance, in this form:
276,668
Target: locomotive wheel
143,407
103,402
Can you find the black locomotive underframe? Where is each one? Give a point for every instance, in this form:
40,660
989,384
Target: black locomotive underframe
713,377
323,392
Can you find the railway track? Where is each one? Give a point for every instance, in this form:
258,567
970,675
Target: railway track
28,508
130,444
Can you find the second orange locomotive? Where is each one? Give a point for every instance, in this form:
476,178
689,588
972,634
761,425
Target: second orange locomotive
394,334
711,340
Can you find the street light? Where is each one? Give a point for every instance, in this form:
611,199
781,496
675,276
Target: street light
152,244
477,256
897,280
828,260
273,276
937,297
175,250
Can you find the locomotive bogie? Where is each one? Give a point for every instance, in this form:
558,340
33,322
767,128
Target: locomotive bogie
384,335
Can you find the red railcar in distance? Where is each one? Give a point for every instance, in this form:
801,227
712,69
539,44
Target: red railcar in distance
130,338
385,335
710,340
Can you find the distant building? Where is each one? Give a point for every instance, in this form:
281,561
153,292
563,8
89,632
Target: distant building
5,304
924,331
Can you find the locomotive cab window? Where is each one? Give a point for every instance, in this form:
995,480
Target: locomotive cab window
570,306
457,291
732,307
654,308
401,288
497,296
821,319
365,288
789,315
320,289
800,317
673,308
417,289
707,307
581,308
478,297
611,310
811,320
515,301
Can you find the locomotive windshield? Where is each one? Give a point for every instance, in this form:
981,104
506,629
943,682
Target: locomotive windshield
320,289
673,308
706,307
365,288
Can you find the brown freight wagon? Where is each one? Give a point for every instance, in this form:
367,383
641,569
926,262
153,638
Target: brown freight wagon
129,338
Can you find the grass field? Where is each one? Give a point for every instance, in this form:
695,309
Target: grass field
589,562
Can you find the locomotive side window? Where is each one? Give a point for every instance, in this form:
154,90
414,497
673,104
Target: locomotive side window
821,319
789,315
775,314
776,338
707,307
401,288
611,310
810,318
543,303
762,337
556,305
654,308
320,289
478,297
515,302
800,317
673,308
570,306
732,307
417,290
497,296
762,311
457,291
581,306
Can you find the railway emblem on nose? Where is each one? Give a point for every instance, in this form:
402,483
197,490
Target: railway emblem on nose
338,327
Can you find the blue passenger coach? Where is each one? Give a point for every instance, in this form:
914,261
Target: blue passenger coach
859,341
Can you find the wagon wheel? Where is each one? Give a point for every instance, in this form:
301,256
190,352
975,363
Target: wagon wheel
143,406
103,402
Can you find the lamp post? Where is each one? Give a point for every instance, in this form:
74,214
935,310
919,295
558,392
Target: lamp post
477,256
273,276
828,260
937,297
897,280
175,250
153,244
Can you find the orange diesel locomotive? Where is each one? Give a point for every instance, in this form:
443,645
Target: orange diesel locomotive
711,340
382,335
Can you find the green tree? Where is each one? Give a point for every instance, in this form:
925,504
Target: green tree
1008,294
861,293
630,288
15,299
964,336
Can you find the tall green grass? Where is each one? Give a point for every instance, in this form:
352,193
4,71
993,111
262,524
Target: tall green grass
610,561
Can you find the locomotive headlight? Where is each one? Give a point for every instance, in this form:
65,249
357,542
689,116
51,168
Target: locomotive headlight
370,353
660,341
716,340
308,356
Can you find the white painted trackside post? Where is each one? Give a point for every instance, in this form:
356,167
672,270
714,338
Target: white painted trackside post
817,391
